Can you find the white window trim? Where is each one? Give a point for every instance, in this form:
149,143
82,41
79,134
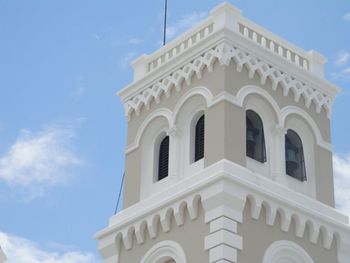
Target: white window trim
266,112
287,252
163,251
300,126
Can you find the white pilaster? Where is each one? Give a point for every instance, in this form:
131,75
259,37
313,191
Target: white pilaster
316,63
278,153
226,16
140,66
174,166
109,248
223,205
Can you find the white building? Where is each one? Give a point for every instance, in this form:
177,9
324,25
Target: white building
228,155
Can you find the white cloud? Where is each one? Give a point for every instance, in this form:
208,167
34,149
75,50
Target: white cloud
20,250
346,17
341,166
185,23
343,75
343,58
39,160
126,60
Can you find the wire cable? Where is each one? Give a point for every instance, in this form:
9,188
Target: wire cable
120,193
165,20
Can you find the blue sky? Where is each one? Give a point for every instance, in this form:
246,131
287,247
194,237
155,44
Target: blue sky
62,129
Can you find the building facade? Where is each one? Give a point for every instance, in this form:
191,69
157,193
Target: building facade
229,156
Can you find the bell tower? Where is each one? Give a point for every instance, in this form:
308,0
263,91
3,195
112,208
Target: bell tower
228,154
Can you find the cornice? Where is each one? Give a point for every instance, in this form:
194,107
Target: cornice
144,217
224,52
170,66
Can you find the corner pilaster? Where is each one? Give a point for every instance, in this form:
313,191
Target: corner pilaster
223,204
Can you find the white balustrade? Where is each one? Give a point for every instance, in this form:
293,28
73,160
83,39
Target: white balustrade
179,46
231,18
267,40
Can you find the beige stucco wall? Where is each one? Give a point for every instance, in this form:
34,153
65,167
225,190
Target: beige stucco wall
236,80
225,129
213,80
257,237
132,181
324,176
224,138
190,236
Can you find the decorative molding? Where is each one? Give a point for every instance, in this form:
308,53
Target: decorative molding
224,53
223,189
223,206
163,251
149,225
287,252
238,100
290,110
302,222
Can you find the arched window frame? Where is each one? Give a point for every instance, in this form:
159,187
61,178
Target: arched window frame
162,152
255,131
294,156
199,139
287,252
163,252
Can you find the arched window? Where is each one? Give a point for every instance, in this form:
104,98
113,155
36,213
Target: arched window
165,252
199,139
295,162
163,163
284,251
255,139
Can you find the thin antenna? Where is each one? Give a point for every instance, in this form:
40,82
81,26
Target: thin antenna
165,18
120,193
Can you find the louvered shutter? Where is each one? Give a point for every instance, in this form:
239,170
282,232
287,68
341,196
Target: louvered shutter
163,165
199,140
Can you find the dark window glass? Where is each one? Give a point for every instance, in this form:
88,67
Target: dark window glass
199,139
255,139
295,162
163,164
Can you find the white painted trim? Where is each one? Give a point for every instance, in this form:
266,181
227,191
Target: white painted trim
199,90
252,89
282,114
284,251
151,138
223,18
184,196
225,52
164,251
290,110
238,100
163,112
169,115
308,140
